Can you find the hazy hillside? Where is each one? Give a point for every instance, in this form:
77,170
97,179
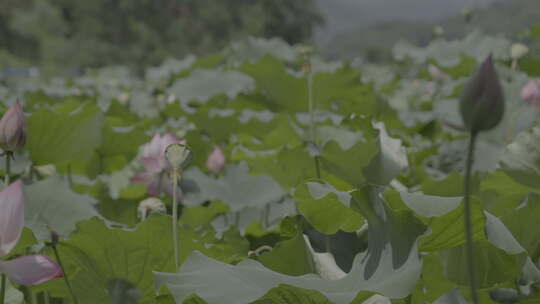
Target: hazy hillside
375,35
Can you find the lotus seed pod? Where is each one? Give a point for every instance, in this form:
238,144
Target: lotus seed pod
149,206
518,50
178,155
13,128
482,103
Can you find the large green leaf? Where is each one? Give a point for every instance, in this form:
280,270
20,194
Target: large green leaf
326,208
430,205
390,160
391,233
432,284
291,256
286,294
57,135
289,167
51,203
349,164
449,230
523,223
202,84
493,265
237,188
96,255
521,159
391,266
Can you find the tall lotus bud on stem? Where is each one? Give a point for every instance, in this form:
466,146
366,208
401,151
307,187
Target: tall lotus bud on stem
482,108
13,128
482,103
216,161
178,156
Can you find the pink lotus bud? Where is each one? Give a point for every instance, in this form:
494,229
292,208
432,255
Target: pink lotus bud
531,94
11,216
13,128
216,161
31,269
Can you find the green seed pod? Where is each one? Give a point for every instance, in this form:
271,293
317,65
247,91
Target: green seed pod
482,103
178,155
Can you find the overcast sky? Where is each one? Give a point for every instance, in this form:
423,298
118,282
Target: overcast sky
344,15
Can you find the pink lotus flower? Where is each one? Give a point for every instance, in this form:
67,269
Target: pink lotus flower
13,128
531,94
26,270
216,161
155,163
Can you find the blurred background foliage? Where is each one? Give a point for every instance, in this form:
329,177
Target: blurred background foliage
79,34
70,36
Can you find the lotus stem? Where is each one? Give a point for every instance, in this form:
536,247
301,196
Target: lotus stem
468,221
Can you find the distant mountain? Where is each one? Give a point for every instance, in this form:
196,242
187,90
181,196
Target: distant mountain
375,35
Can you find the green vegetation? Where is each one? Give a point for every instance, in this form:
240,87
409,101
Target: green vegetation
68,35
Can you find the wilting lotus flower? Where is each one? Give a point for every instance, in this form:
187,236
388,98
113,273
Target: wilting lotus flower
149,206
531,94
155,164
216,161
13,128
482,103
26,270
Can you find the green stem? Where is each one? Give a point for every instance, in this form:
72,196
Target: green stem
312,126
65,276
7,174
313,134
317,166
32,297
70,179
311,107
3,288
46,298
175,219
468,221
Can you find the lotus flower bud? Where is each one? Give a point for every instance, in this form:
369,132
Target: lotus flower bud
531,94
178,155
482,103
31,269
518,50
149,206
13,128
216,161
